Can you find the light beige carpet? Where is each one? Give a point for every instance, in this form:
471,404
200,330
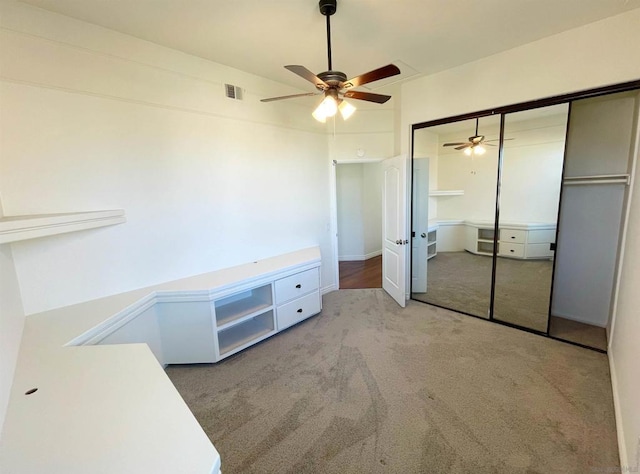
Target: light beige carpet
368,387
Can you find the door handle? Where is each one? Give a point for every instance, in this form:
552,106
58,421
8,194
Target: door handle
423,235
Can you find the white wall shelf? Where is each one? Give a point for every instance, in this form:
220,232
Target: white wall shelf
446,192
17,228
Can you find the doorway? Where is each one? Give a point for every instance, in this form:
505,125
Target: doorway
359,224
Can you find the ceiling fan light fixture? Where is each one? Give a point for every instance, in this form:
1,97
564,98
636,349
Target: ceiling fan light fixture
479,150
329,105
327,108
334,82
468,151
346,109
319,115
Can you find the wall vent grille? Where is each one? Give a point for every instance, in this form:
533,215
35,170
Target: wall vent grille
233,92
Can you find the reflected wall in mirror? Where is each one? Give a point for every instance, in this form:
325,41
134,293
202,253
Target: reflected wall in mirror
531,177
454,192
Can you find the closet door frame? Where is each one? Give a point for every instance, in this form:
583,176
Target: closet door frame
503,111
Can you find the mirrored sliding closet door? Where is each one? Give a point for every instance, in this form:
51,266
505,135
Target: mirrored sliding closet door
455,168
519,214
531,176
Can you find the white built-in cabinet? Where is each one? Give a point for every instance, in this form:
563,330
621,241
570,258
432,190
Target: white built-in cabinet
242,306
245,318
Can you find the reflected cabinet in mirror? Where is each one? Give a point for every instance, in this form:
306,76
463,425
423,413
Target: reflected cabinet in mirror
455,167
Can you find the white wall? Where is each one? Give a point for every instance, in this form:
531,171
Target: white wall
11,324
349,203
372,203
359,206
624,348
368,134
590,56
100,120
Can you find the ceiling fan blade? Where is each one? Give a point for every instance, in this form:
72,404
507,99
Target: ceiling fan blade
455,144
497,140
368,96
466,145
488,144
271,99
371,76
304,73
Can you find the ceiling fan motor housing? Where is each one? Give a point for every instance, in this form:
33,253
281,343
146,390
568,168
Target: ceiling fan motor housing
328,7
333,78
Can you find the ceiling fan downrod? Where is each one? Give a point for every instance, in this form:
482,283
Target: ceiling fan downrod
328,8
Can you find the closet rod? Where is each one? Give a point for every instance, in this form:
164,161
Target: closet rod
608,181
600,179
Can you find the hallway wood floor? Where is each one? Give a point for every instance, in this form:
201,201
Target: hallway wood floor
361,274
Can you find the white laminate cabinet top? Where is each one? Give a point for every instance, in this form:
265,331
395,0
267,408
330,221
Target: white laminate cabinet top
103,410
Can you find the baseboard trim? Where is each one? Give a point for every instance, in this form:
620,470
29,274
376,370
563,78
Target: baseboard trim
358,258
328,289
622,447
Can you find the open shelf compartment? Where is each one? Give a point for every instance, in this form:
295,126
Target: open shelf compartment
486,234
239,305
485,248
246,332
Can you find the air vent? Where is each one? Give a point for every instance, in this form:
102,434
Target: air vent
233,92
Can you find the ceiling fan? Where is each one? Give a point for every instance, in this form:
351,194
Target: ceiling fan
475,145
334,84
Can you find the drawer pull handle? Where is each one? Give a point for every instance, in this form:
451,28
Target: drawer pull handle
511,250
298,286
513,236
300,310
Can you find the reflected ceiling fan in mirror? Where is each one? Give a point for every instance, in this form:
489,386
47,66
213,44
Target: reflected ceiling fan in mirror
334,84
475,145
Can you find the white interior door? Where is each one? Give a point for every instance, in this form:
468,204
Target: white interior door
420,225
394,227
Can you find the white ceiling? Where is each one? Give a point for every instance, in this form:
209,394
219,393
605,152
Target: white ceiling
261,36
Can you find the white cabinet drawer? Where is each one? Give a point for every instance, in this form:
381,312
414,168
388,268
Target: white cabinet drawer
297,310
513,235
511,250
297,285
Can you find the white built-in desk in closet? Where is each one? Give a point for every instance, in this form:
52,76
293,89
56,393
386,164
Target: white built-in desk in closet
110,408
